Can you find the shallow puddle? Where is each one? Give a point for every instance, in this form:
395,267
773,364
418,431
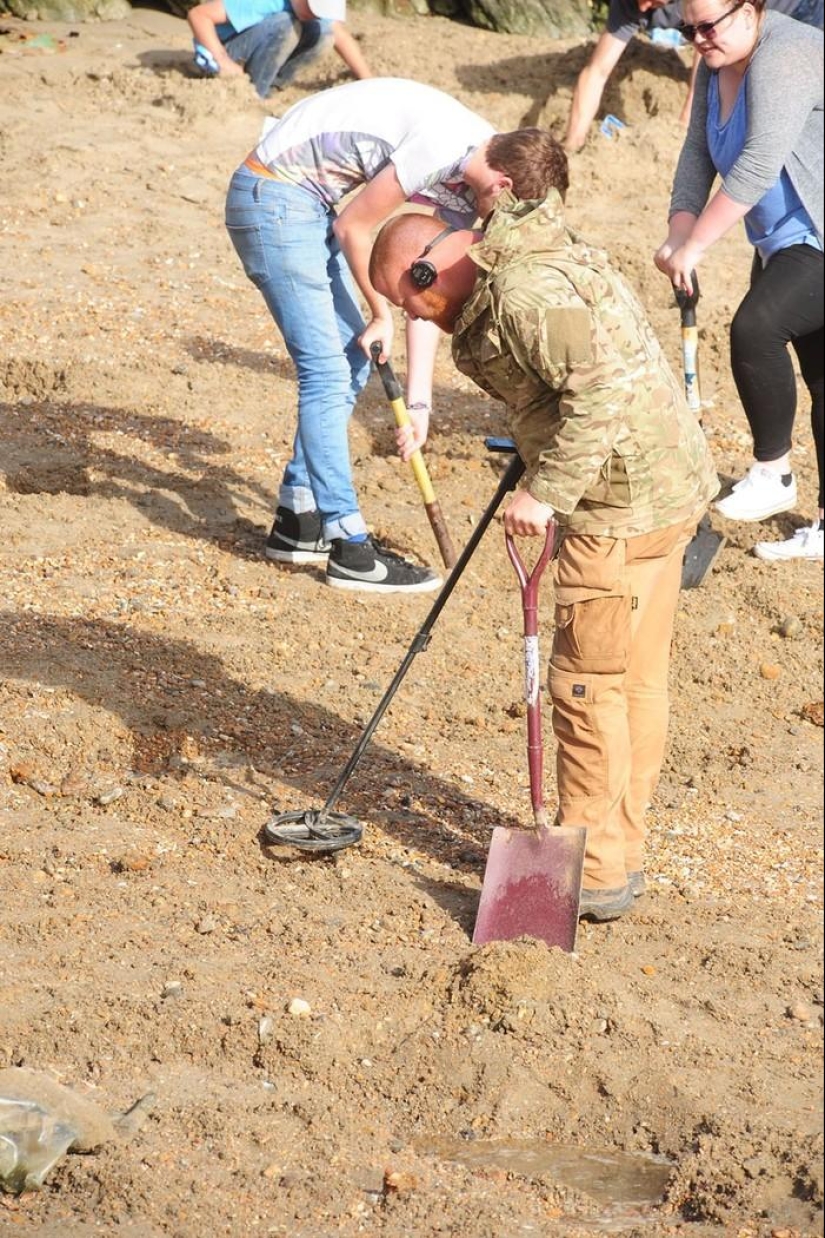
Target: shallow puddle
627,1186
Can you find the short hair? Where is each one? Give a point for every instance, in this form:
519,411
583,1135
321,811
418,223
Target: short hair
402,239
534,161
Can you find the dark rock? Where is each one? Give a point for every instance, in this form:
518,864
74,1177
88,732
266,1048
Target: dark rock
553,19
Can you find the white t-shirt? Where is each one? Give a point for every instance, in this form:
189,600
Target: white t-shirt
338,139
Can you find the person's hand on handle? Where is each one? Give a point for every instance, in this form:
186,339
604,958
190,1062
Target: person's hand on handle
678,264
526,516
408,439
669,258
379,330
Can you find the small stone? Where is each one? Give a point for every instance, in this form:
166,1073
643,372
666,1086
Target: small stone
108,797
206,925
790,627
266,1027
397,1182
46,789
769,670
801,1012
299,1008
22,772
172,989
133,862
648,970
73,783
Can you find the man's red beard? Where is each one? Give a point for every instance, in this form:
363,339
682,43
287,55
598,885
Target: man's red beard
440,310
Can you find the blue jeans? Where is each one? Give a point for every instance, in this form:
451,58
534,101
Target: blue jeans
283,236
276,49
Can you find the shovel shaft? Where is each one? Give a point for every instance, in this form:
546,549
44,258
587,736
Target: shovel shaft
529,584
690,342
392,387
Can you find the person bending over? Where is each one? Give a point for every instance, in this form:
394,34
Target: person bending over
392,140
541,321
757,123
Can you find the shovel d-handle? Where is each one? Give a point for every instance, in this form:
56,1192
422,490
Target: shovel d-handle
690,342
529,584
392,387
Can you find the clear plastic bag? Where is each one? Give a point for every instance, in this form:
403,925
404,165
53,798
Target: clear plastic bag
31,1142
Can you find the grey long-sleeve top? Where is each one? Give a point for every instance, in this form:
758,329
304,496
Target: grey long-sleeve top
784,84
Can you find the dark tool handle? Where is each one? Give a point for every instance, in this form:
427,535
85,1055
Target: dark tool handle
419,468
509,481
690,343
529,585
687,301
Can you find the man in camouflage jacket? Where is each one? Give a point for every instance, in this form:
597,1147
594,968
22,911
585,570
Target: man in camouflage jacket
541,321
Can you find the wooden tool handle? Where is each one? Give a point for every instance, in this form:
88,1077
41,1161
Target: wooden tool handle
402,418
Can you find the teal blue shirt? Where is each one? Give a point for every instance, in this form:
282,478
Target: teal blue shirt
241,14
778,220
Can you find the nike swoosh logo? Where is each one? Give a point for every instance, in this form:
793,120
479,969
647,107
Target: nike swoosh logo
376,574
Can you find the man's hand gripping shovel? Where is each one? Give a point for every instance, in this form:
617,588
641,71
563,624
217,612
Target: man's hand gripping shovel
532,881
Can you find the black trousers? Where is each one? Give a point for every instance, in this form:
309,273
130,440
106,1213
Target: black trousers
785,305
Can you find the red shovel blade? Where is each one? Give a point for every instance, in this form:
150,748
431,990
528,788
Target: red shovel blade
531,886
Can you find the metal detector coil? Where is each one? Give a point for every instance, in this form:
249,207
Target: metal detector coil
307,832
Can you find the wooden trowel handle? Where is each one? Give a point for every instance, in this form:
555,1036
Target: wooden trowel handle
432,507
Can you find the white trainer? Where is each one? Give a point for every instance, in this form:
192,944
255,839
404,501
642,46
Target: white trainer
760,493
807,543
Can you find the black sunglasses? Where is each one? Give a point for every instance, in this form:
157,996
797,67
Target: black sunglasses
706,28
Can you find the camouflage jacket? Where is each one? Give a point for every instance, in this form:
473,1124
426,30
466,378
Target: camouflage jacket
598,416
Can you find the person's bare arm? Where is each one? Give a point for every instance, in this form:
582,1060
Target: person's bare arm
350,52
589,89
203,19
422,345
354,228
690,237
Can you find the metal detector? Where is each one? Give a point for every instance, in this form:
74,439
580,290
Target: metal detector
324,830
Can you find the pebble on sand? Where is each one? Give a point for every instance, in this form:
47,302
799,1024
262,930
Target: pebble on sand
299,1008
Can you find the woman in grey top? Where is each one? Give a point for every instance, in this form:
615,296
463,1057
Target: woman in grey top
757,123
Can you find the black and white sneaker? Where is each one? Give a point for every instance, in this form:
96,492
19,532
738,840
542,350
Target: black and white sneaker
371,567
297,538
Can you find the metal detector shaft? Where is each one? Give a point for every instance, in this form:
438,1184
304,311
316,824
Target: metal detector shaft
392,387
508,482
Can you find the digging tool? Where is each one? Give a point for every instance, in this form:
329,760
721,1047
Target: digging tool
704,547
532,880
325,830
690,342
402,418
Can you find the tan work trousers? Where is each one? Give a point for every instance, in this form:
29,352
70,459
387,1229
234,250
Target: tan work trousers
615,606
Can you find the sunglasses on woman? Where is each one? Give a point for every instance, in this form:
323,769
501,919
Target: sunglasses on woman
705,29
